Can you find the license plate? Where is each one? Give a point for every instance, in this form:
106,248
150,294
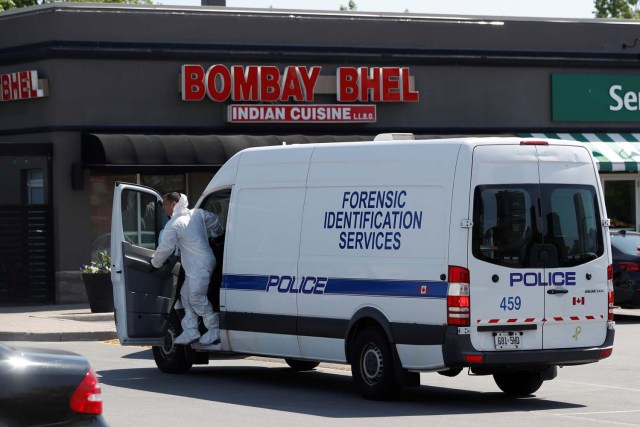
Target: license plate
508,340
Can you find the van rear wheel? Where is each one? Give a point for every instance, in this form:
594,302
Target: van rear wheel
170,357
301,365
372,365
519,384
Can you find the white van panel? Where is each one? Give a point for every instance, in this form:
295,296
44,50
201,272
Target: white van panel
274,167
261,249
421,357
263,344
224,178
400,309
565,164
375,227
458,235
266,231
504,164
391,164
320,348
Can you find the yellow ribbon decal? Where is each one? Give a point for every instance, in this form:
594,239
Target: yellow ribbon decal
575,335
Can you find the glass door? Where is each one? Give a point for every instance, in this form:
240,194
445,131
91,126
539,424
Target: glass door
621,201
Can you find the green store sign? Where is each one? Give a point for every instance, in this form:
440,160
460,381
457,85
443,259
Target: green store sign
595,98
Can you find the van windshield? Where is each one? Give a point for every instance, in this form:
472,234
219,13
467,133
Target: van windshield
532,225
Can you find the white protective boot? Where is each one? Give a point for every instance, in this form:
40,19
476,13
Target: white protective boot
190,333
188,336
211,321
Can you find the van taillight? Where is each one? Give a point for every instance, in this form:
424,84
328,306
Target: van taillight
610,289
458,300
87,398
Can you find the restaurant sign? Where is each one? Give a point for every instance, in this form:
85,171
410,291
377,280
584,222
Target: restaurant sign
259,94
22,85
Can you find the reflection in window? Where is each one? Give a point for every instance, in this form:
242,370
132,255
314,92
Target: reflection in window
218,203
514,224
101,201
504,223
35,186
165,183
140,219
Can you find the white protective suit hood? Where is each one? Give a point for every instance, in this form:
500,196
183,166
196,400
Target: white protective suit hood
181,207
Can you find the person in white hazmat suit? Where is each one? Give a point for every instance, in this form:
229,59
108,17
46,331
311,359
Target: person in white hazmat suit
189,230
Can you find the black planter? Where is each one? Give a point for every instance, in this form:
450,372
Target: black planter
99,291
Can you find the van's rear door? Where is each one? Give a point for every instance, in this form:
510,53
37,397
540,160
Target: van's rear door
576,300
507,303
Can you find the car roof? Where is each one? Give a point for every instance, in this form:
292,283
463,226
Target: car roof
623,233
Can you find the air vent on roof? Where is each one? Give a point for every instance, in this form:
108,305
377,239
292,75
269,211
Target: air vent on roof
394,137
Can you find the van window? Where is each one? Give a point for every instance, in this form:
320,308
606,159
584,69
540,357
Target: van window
513,223
140,218
218,203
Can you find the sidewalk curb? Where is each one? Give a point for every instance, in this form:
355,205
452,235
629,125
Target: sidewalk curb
57,336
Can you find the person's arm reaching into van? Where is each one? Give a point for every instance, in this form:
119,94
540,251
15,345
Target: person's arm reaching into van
166,248
212,223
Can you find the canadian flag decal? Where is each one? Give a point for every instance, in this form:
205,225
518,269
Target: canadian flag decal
578,301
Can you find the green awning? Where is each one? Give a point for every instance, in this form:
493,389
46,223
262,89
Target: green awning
614,152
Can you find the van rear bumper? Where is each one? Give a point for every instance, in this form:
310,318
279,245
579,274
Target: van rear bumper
457,347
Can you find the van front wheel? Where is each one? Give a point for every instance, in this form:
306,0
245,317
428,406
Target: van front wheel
170,357
519,384
372,365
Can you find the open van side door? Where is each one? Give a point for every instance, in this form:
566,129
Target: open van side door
143,296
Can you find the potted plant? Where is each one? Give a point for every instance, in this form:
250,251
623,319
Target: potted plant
97,282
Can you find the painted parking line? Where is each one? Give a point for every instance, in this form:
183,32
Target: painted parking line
601,385
585,416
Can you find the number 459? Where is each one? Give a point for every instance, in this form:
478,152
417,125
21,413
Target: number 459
510,303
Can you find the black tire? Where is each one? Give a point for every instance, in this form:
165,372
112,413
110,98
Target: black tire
372,365
170,357
301,365
519,384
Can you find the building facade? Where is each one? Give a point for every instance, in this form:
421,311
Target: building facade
162,96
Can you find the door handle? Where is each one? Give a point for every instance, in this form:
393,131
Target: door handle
557,291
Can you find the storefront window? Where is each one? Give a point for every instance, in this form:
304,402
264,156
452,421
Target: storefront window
620,198
165,183
101,190
35,187
101,193
198,181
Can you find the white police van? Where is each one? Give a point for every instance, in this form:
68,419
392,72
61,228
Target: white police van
396,257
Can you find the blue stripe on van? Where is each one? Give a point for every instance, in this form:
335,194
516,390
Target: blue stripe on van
245,283
392,288
339,286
